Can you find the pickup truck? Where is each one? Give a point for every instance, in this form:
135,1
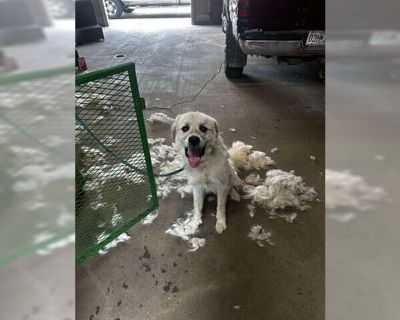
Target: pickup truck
290,30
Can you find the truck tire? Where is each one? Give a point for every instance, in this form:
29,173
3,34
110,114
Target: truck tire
235,59
114,8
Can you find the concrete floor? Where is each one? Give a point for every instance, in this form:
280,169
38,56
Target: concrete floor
362,112
153,276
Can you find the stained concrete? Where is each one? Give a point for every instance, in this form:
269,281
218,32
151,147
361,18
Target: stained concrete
153,276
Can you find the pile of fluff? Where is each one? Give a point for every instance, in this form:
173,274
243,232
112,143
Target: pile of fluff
165,159
345,190
258,234
182,228
161,118
243,156
281,190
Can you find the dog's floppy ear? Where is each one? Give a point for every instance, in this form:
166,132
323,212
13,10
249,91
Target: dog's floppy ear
174,126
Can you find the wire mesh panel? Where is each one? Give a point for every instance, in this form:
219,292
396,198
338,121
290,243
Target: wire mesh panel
36,161
115,186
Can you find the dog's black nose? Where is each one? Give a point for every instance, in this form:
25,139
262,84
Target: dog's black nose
194,140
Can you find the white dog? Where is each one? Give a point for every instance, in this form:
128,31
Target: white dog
207,165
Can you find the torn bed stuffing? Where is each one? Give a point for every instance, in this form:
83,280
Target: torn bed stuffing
149,219
258,234
161,118
166,159
121,238
281,190
253,179
244,157
184,228
347,193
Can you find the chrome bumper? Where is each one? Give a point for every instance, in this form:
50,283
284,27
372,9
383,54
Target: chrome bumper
279,48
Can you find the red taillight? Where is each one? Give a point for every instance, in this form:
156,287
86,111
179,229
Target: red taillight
243,12
243,8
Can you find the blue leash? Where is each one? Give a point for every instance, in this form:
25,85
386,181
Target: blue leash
119,158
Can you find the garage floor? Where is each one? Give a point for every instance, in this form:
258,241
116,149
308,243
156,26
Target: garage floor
153,276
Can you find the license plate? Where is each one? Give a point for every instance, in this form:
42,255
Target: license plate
315,39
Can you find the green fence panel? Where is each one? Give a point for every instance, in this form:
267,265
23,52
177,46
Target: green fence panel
115,186
36,161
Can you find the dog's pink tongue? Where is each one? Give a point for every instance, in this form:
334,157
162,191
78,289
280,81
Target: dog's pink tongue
194,160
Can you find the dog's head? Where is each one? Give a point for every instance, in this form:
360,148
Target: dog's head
195,133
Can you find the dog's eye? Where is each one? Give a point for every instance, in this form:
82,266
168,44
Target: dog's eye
203,129
185,128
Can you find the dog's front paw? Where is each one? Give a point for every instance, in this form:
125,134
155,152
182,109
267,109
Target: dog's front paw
220,226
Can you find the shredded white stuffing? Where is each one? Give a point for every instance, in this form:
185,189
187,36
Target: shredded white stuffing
121,238
244,157
273,150
197,243
346,191
109,141
35,176
239,153
93,154
116,217
258,234
149,219
379,157
342,217
258,160
252,209
36,155
232,129
57,245
160,117
313,158
65,218
155,141
54,141
253,179
165,159
281,190
184,228
42,237
289,217
36,204
96,181
237,307
93,100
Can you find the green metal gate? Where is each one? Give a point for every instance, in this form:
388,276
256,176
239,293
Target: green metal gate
36,162
115,186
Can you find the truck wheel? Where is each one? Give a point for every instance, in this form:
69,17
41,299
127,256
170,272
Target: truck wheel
235,59
114,9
